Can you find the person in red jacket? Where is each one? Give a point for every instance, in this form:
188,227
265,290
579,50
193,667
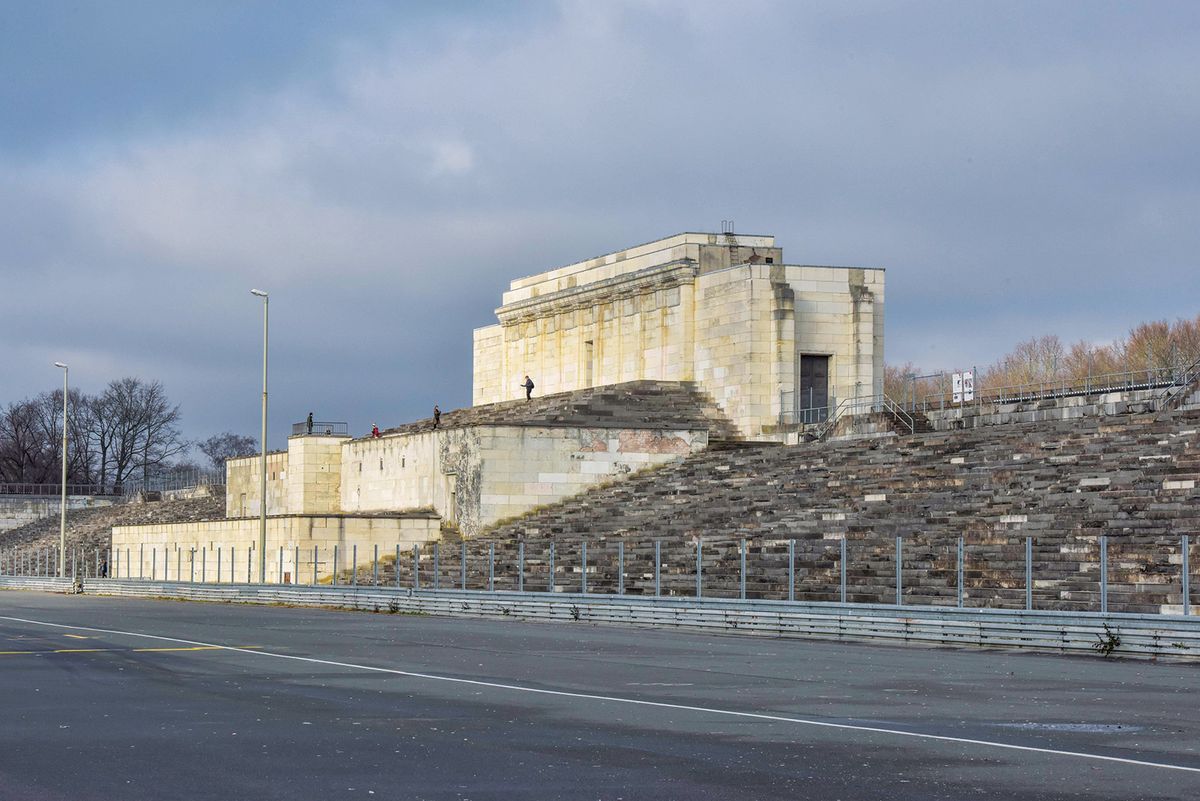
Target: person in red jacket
374,431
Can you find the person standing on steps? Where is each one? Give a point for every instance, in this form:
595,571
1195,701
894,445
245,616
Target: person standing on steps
308,423
437,416
528,387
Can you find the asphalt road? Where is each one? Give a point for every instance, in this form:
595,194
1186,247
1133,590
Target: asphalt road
328,705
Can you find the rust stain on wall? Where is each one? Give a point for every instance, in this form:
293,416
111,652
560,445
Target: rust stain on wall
652,442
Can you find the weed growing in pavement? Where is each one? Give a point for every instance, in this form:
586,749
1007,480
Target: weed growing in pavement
1107,642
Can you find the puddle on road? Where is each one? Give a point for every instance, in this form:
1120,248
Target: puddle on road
1090,728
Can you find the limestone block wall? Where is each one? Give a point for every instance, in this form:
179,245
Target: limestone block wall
314,474
17,510
478,475
173,551
242,485
397,472
530,467
839,313
724,312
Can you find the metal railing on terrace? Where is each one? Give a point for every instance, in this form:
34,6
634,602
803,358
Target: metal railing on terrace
321,428
823,419
1124,381
174,481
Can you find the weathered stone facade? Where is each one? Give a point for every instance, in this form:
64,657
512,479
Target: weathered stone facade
482,464
721,310
296,545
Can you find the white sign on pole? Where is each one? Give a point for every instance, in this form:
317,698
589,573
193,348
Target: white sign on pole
968,383
956,380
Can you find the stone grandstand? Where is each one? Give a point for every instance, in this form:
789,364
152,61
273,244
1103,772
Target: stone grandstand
1131,478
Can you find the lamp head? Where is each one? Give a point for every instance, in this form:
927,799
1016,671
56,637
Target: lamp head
258,292
60,364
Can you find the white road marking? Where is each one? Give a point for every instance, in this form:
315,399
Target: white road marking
620,700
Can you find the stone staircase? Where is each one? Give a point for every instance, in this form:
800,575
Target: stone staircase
1063,483
634,404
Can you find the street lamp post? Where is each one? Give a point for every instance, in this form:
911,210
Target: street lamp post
62,502
262,504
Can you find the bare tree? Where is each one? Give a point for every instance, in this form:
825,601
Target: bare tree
224,446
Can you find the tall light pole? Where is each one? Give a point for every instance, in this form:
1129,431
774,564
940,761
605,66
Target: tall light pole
62,503
262,487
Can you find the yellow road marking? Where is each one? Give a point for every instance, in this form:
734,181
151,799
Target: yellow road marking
194,648
77,637
128,650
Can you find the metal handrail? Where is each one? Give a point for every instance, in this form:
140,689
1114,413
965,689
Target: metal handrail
1128,380
868,404
1174,394
321,428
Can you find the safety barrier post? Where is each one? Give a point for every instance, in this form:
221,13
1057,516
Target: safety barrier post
437,566
354,565
959,583
657,565
334,580
699,567
463,566
491,566
1029,572
416,566
843,568
899,571
791,570
551,589
583,567
1104,573
375,567
1184,575
742,572
621,566
521,566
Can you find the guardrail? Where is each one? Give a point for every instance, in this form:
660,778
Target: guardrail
913,571
1080,633
1151,378
321,428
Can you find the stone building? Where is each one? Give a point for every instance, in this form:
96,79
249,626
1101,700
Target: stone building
771,342
478,466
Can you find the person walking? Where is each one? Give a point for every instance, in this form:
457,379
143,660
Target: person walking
528,384
437,416
308,423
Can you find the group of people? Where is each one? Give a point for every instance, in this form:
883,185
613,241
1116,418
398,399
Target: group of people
527,384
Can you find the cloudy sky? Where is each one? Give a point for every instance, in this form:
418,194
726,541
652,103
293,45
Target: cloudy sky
383,169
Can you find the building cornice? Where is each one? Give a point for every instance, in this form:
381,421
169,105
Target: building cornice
641,282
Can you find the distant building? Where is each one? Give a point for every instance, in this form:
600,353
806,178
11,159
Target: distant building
771,342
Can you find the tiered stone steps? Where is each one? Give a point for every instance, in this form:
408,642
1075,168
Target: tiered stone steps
634,404
1063,483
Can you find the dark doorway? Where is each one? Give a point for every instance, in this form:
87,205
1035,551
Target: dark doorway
814,389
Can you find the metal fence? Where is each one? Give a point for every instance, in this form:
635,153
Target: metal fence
322,428
1152,378
174,481
1013,574
55,490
